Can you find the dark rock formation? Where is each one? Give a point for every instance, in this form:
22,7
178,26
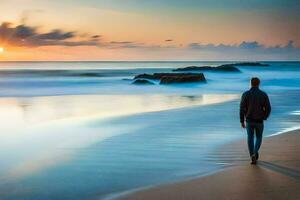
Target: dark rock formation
142,82
183,78
193,68
226,68
145,76
155,76
168,78
250,64
221,68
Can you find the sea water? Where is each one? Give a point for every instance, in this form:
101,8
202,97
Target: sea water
82,130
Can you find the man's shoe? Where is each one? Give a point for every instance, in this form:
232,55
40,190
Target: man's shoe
256,156
253,159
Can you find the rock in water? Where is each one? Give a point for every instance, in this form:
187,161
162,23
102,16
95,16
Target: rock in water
182,78
146,76
142,82
221,68
168,78
226,68
155,76
194,68
250,64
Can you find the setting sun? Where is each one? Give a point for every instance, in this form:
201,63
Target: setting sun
1,49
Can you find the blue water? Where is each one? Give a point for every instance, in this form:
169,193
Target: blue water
67,135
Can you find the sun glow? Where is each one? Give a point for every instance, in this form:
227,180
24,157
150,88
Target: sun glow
1,49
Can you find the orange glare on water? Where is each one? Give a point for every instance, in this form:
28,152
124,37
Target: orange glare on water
1,49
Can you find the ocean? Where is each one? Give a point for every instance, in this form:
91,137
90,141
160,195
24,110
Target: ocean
82,130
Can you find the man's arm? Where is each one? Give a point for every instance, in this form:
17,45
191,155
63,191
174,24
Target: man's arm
243,109
267,107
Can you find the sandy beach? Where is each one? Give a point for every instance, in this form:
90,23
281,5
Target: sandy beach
276,176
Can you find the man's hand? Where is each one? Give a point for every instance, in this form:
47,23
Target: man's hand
243,125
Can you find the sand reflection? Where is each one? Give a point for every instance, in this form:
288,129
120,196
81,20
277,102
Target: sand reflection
40,132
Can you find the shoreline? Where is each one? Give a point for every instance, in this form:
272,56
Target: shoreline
272,163
116,196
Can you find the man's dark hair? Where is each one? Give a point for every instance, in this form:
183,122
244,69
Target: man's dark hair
255,82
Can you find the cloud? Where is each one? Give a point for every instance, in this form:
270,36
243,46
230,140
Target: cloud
132,45
29,36
246,47
250,45
121,42
290,45
95,36
246,50
20,31
137,45
56,35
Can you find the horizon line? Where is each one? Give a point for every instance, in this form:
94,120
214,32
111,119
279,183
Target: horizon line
10,61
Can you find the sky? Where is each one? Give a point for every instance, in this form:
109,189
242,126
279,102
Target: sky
42,30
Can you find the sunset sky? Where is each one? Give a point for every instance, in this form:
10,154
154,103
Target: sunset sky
149,30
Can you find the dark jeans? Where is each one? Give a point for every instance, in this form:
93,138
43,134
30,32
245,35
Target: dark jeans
256,129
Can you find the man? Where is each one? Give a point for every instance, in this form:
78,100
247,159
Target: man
255,108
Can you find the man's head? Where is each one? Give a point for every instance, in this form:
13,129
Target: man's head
255,82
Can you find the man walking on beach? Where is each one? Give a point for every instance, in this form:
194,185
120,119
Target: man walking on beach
255,108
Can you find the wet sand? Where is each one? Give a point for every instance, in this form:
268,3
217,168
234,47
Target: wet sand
276,176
